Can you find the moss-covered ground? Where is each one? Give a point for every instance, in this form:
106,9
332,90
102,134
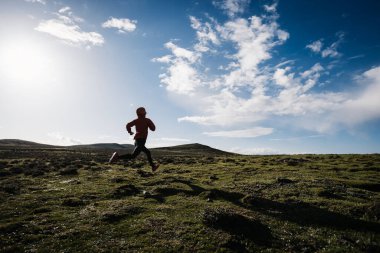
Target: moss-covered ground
74,201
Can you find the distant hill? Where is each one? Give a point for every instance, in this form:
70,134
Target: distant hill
22,143
103,146
186,149
194,148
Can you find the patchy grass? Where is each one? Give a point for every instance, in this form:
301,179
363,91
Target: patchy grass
73,201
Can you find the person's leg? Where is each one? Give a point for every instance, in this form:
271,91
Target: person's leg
148,155
135,152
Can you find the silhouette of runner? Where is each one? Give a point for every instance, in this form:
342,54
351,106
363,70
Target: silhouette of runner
142,124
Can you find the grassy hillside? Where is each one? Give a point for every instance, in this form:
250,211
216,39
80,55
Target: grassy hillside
73,201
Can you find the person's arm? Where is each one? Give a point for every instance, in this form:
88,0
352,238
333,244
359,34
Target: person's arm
129,125
151,125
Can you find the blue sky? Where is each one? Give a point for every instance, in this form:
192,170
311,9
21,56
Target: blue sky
254,77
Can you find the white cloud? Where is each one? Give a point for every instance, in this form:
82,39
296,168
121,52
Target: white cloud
163,59
205,35
122,24
364,106
271,8
66,29
232,7
36,1
254,151
281,78
246,133
329,51
174,139
182,53
248,88
64,9
356,57
57,138
298,138
180,78
315,46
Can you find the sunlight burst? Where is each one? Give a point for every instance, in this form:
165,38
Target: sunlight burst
25,64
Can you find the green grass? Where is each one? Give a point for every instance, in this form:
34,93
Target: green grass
303,203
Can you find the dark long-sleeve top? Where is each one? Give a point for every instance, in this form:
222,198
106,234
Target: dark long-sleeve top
142,124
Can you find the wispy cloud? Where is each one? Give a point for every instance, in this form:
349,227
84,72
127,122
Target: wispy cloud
232,7
205,34
329,51
315,46
64,9
245,133
36,1
365,105
254,151
66,28
181,76
298,138
57,138
167,141
122,24
356,57
247,89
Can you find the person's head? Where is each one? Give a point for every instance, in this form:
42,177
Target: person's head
141,112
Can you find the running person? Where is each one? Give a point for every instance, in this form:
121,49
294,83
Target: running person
141,124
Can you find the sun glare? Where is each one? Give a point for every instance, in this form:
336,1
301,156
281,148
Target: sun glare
25,64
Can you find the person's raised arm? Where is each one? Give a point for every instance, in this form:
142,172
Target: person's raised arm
151,125
129,125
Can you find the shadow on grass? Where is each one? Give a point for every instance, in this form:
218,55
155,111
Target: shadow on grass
238,225
307,215
298,212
